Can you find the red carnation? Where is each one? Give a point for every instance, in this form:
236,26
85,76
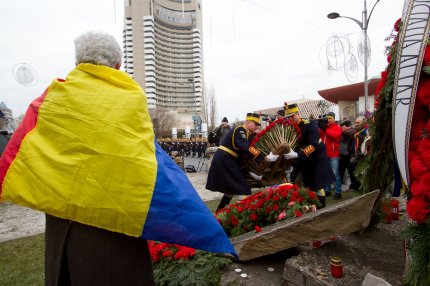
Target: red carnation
428,126
421,188
413,148
258,229
426,60
234,220
253,217
423,93
420,113
312,195
167,253
259,203
424,153
382,82
417,167
180,255
418,210
424,145
284,194
297,213
418,130
398,25
155,256
285,187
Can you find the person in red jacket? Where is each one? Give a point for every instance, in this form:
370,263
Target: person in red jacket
331,137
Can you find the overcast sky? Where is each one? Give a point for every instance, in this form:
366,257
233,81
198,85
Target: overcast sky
257,53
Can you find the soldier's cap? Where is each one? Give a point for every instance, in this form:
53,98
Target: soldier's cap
280,112
291,109
346,123
331,115
255,117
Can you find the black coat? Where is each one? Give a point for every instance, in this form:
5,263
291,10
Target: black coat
228,170
313,159
78,254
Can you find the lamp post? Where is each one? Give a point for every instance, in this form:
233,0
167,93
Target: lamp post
194,94
363,25
195,106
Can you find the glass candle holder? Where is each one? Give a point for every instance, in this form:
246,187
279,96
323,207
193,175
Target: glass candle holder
336,267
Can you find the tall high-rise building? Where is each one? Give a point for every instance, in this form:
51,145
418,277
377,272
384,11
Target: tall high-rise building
163,52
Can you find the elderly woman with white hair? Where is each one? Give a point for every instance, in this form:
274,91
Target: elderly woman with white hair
77,253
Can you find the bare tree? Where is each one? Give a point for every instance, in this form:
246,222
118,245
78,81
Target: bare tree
163,121
205,106
212,108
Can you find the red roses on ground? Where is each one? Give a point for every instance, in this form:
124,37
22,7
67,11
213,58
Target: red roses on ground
161,250
266,207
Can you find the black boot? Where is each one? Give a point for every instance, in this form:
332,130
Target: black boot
225,200
322,201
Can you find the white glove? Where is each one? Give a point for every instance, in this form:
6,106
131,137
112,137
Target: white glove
271,157
290,155
255,176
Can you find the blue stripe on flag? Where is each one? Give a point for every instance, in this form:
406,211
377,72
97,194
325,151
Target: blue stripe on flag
178,215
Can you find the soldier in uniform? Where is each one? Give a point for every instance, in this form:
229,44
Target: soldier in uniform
311,154
187,147
227,173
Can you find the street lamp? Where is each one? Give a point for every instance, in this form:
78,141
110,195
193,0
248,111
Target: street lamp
194,94
363,25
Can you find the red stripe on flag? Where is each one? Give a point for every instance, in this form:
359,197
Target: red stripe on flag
12,148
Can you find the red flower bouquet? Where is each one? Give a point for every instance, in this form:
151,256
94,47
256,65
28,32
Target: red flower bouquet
266,207
419,159
162,250
275,133
178,265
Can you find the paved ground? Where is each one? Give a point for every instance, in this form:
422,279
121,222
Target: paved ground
16,221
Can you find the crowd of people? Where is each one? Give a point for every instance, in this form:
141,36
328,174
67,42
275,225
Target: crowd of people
327,149
195,147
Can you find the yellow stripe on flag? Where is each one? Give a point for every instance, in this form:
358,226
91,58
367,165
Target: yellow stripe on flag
91,157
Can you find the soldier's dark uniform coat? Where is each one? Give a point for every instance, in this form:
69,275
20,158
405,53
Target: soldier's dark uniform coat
312,156
227,172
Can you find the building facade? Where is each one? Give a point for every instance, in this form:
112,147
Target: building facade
163,52
309,108
350,98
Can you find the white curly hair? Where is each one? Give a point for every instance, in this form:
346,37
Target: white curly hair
98,48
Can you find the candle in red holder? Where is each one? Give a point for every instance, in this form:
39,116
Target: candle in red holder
336,267
316,243
386,210
395,209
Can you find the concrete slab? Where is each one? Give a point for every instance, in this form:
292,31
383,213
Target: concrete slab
342,218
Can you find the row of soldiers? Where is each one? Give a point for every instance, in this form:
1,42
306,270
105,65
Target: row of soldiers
195,147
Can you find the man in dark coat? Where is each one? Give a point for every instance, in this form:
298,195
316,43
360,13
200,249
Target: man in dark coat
222,130
227,171
346,147
311,154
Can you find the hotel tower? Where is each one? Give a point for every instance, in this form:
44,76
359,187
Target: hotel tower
163,52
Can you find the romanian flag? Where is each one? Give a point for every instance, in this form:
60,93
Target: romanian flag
86,151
